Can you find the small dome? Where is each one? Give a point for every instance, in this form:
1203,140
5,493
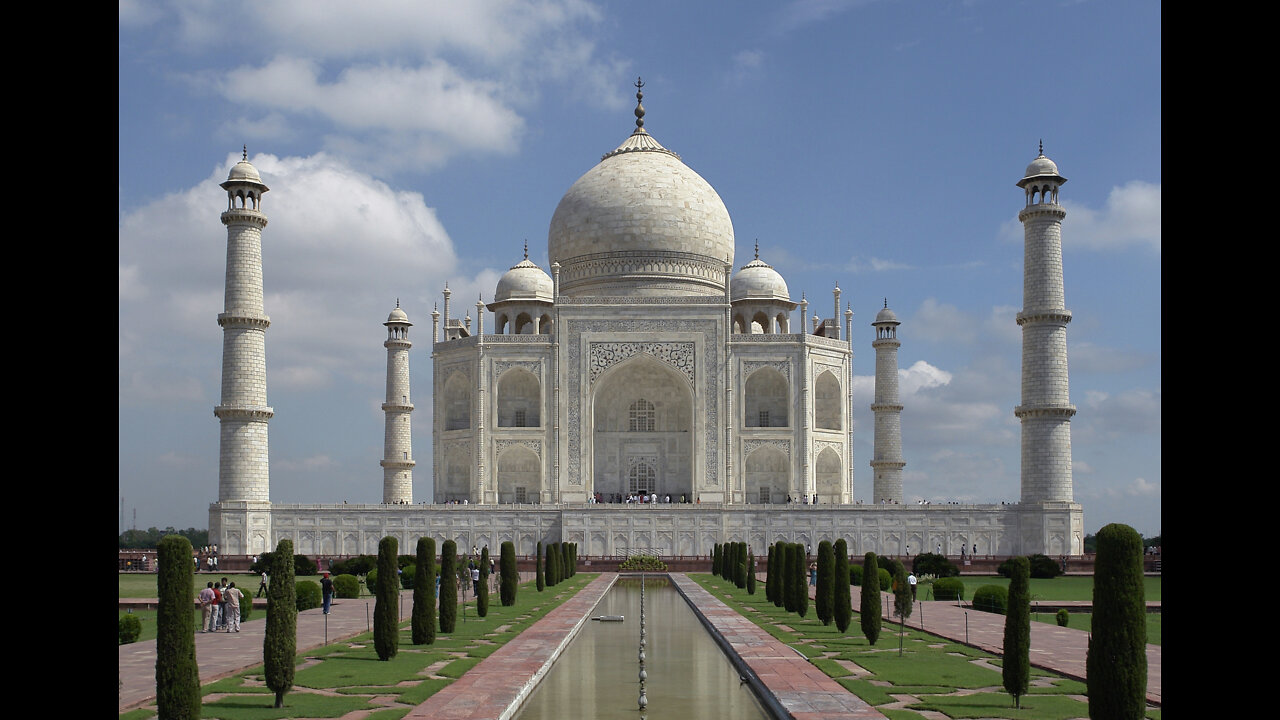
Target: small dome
758,281
525,281
886,316
1042,166
244,170
397,316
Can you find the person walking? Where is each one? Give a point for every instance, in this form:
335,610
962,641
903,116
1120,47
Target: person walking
262,587
326,591
911,580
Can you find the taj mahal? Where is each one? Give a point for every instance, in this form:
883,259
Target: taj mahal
642,363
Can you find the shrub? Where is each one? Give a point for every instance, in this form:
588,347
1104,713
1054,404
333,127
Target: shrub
448,586
789,580
423,622
870,607
780,583
642,563
801,579
855,576
303,565
886,580
751,572
1043,566
890,566
371,580
307,595
843,610
358,565
715,560
177,674
1116,663
1063,617
990,598
386,605
279,647
246,607
509,582
346,586
408,576
935,565
948,589
550,569
130,628
1016,668
740,559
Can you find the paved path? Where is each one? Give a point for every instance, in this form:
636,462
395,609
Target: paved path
1062,650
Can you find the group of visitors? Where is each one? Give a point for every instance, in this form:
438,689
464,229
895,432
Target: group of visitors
804,500
220,607
637,498
206,558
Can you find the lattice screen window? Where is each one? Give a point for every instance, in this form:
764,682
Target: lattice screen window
642,416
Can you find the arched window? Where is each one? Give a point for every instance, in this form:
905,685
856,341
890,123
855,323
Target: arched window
641,416
641,478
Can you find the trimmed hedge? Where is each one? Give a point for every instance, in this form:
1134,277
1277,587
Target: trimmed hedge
1116,663
948,589
346,586
308,595
991,598
643,563
177,674
935,565
1063,617
1042,566
130,628
408,575
386,606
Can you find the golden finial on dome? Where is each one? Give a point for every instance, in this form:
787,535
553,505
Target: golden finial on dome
639,108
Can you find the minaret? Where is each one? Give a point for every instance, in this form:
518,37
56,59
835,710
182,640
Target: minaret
1046,407
397,445
886,461
243,412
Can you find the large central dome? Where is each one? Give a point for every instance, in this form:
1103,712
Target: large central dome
641,222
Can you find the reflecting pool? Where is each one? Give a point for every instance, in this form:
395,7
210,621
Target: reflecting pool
597,676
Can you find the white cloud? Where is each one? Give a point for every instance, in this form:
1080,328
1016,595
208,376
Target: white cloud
921,375
1131,217
943,323
338,250
1140,486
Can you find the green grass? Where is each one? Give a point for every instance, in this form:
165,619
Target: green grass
1082,620
933,669
352,679
143,585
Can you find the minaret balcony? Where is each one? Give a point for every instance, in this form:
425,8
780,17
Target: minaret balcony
238,320
397,407
1044,411
1051,316
251,414
397,464
244,216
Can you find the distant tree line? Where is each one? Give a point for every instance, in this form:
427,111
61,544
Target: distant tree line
1091,542
150,538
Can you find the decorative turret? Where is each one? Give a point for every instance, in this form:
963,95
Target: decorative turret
397,445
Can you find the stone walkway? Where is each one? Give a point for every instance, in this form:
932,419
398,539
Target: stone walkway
793,682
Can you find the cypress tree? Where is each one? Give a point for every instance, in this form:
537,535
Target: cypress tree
424,593
869,610
553,564
802,581
715,560
751,572
770,575
726,559
573,558
448,586
509,582
566,567
824,597
482,598
386,606
902,601
740,564
1116,664
1016,667
539,580
782,592
280,644
843,610
177,674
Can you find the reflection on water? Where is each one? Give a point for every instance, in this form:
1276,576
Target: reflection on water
597,676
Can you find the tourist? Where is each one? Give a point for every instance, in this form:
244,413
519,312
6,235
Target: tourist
475,579
911,580
326,591
215,605
233,595
206,606
222,610
262,587
813,573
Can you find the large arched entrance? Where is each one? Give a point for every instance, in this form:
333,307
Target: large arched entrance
642,430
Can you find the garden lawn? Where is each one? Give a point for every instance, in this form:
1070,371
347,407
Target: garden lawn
1082,621
348,677
1066,587
941,675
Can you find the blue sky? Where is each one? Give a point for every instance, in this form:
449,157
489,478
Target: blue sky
875,145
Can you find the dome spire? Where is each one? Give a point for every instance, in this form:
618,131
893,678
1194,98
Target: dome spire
1041,147
244,155
526,248
639,108
757,248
